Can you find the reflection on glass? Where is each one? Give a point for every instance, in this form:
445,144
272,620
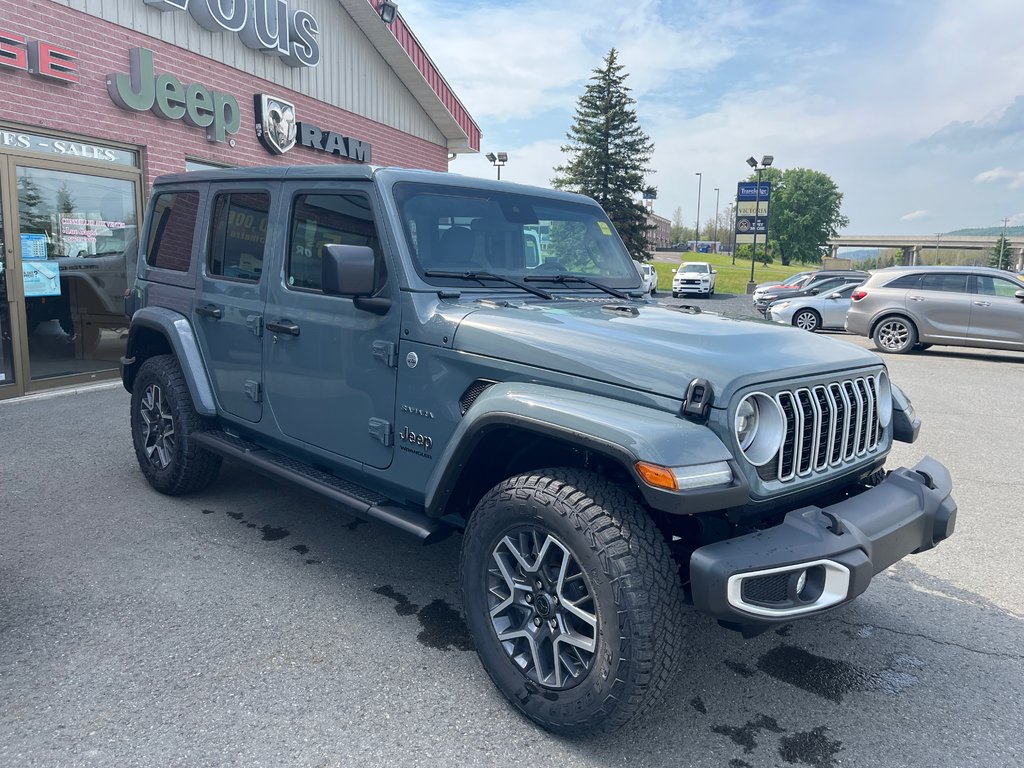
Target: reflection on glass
6,342
78,236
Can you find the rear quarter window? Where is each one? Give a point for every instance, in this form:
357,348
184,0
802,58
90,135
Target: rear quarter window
905,281
172,230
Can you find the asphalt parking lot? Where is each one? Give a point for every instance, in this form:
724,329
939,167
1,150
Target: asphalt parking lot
254,625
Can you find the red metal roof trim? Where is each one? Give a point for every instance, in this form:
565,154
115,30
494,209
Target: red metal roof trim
434,78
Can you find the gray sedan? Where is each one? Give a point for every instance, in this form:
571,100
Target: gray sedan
812,313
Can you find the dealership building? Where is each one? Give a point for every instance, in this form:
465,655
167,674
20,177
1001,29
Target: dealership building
103,96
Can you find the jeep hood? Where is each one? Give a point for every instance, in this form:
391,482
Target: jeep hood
651,348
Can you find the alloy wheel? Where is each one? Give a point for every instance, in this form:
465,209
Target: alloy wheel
893,334
542,608
808,321
157,427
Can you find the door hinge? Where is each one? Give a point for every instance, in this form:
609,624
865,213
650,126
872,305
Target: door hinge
386,352
255,324
380,429
254,390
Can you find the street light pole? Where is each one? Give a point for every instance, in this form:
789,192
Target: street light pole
757,210
497,160
696,232
716,219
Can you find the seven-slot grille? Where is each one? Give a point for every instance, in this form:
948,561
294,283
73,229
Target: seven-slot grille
826,425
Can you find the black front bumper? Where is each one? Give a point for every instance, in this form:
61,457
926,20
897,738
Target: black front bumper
754,579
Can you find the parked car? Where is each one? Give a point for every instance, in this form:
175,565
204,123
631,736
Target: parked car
381,337
901,308
823,281
813,313
694,277
799,278
649,276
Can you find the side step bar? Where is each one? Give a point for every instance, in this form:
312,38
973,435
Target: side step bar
359,501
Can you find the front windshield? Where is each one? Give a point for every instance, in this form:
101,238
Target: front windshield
687,267
463,230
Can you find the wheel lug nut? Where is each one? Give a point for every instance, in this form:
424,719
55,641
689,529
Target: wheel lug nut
539,584
553,624
537,622
529,597
554,598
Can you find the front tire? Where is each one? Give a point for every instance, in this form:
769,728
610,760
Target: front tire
807,319
163,421
896,335
572,598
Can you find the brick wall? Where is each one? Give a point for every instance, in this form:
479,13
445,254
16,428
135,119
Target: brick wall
85,108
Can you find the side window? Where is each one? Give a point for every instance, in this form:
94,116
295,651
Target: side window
238,235
995,286
322,220
943,282
171,231
906,281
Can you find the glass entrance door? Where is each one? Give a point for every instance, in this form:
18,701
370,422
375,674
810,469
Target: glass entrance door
77,237
6,330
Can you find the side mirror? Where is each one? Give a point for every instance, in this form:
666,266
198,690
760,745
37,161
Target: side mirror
836,296
714,271
348,270
351,270
812,292
1019,295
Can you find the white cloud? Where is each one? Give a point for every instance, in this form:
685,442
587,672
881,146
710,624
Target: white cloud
914,215
1015,178
1016,220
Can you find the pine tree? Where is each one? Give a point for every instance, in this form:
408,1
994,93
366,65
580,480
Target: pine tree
1001,256
609,154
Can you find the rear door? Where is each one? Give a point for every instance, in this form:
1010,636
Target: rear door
941,306
997,315
228,310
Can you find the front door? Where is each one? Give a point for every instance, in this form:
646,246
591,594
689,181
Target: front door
330,366
7,380
228,309
997,315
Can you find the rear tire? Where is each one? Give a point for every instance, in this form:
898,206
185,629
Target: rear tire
896,335
163,421
572,598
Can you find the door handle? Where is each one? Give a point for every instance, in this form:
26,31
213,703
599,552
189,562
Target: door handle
983,303
211,311
917,298
283,326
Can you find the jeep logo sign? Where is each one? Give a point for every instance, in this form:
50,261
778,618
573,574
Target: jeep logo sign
265,25
167,97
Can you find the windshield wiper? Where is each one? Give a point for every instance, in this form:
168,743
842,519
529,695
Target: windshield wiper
481,276
564,278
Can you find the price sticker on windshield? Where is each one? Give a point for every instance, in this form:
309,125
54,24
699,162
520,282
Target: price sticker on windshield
604,227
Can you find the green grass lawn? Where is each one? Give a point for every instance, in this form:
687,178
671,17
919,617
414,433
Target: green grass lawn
731,278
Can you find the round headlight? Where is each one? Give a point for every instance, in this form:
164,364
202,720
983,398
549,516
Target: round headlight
884,403
746,423
759,427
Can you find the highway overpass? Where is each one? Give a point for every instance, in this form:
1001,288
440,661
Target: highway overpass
913,245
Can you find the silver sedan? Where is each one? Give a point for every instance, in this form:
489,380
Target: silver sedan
812,313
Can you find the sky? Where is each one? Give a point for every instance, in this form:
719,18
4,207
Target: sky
915,108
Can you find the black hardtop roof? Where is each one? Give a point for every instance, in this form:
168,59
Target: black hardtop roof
354,172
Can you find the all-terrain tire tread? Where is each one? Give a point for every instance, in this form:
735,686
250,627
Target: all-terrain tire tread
636,560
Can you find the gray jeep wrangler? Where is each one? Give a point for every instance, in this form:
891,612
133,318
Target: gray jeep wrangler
450,354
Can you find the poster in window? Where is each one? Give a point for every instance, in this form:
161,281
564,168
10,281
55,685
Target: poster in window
42,278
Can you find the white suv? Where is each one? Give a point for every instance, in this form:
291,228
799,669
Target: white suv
693,277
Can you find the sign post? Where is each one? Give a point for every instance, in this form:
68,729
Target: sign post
752,203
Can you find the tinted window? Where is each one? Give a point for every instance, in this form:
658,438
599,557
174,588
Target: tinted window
238,235
322,220
947,283
693,268
171,230
995,286
906,281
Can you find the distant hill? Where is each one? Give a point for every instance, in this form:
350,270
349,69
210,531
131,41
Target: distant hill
858,254
988,231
